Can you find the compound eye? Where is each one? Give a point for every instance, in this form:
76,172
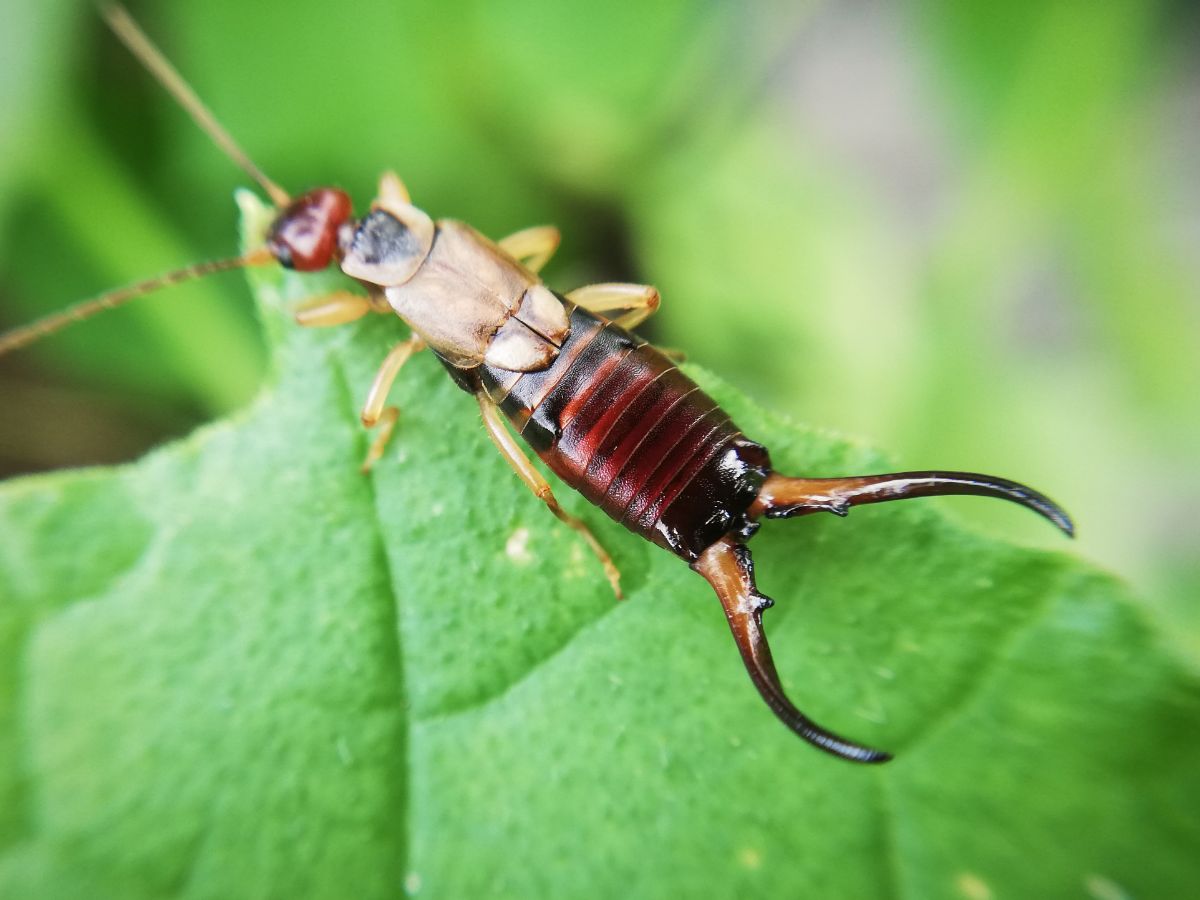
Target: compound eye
304,236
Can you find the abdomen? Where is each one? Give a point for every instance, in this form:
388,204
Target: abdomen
617,421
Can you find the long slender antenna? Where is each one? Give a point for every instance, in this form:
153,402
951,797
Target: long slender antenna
135,39
34,331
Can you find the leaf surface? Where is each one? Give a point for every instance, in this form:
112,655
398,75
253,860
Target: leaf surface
239,668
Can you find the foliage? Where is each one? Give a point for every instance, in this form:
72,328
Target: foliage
959,228
240,668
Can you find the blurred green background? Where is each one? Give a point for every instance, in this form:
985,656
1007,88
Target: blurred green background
963,231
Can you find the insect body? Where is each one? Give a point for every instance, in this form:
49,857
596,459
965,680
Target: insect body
611,415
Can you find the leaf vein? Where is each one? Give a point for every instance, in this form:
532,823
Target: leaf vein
1050,593
403,765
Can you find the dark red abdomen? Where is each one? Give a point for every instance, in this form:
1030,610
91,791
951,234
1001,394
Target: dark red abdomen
617,421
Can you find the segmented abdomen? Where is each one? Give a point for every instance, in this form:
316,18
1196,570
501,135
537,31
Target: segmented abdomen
617,421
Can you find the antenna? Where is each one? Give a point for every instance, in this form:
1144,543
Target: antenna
35,331
135,39
140,46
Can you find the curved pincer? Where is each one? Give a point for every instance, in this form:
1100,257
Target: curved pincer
728,567
782,497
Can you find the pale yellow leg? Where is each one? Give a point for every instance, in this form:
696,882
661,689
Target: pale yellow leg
532,247
639,300
336,308
392,191
387,424
493,420
374,411
379,301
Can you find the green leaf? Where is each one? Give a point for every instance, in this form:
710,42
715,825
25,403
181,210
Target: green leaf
239,668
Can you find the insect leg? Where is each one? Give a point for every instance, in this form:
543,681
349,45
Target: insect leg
532,247
392,191
511,451
639,300
374,411
335,308
782,497
729,568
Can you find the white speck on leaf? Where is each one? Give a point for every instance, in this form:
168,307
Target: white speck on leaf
750,858
877,716
517,547
575,567
972,886
1104,888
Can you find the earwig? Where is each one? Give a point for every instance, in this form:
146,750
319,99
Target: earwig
612,416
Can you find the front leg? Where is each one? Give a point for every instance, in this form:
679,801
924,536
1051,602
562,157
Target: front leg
392,191
511,451
334,308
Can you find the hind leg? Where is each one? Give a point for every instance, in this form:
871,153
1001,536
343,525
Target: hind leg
493,420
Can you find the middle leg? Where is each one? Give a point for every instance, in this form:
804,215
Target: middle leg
638,302
532,247
375,411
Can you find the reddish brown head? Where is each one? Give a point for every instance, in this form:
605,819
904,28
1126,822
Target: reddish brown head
304,236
